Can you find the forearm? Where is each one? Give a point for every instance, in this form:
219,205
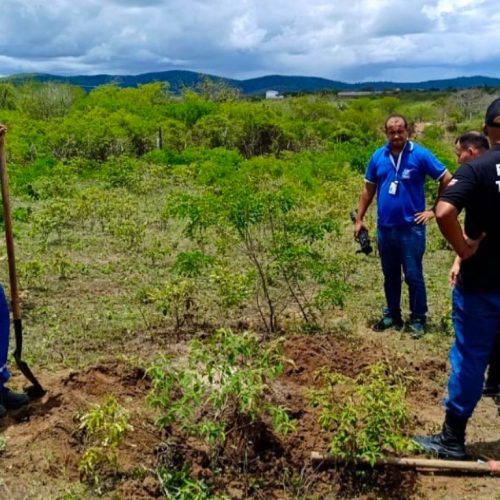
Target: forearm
443,182
447,220
365,200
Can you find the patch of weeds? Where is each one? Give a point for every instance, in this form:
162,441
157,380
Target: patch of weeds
437,342
75,493
179,485
366,415
139,473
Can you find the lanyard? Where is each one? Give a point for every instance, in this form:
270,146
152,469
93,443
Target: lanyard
394,164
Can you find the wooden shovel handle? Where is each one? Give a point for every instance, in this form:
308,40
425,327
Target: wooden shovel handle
9,237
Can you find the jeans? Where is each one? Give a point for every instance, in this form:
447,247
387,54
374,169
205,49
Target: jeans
476,320
402,249
4,337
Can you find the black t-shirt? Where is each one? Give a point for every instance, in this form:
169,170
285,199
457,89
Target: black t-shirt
476,187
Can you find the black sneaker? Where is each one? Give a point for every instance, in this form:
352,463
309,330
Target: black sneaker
3,411
388,322
13,400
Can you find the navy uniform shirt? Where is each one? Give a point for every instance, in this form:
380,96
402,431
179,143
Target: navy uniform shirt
475,187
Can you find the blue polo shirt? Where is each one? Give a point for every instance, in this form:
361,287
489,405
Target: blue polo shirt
416,162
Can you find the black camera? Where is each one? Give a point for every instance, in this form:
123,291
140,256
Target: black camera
363,237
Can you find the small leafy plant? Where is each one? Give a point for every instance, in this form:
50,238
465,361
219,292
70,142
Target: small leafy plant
367,415
179,485
223,394
104,429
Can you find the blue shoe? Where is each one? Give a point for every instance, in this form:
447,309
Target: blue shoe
11,400
417,328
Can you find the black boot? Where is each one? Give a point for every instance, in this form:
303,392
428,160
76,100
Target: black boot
491,389
11,400
492,384
449,444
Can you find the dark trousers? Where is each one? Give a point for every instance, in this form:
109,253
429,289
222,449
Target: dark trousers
493,376
4,337
402,251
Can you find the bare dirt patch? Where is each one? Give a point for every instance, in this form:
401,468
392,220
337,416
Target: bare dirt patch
43,449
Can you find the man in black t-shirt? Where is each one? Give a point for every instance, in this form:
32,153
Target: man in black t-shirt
475,187
469,146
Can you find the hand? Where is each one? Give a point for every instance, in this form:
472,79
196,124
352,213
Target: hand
424,217
471,246
3,129
453,272
358,226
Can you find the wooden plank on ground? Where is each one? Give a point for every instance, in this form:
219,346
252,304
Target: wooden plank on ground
489,467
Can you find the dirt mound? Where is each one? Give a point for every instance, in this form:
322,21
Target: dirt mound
310,353
42,440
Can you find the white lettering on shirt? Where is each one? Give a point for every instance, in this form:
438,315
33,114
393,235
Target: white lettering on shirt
498,184
498,169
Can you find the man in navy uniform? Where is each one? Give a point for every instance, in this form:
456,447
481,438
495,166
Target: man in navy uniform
469,146
475,187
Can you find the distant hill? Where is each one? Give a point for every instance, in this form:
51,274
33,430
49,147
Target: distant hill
179,80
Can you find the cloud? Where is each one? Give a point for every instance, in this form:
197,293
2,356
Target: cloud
355,41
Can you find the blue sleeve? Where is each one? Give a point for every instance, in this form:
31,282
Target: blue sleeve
371,171
433,167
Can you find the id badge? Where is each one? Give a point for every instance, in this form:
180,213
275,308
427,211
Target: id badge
393,187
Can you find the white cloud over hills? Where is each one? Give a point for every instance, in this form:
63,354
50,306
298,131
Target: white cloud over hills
360,40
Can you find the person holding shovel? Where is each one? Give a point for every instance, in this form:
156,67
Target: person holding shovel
9,400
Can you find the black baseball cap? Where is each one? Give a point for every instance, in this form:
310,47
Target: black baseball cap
492,118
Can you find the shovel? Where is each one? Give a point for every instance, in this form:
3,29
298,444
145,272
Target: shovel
36,390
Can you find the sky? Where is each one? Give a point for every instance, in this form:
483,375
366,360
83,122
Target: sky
351,41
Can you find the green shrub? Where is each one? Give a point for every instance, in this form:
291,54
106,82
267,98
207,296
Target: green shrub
223,393
367,415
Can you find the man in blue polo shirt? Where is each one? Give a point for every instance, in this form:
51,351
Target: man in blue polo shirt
396,173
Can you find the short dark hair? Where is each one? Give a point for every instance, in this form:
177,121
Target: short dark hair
401,117
473,139
492,118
